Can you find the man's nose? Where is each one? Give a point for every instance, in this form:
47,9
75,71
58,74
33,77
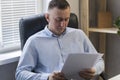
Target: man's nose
63,23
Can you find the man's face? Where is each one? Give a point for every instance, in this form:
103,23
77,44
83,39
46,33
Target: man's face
58,20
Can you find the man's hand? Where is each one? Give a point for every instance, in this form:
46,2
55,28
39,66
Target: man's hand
87,73
57,76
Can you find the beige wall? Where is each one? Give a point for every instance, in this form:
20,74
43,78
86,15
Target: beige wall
74,6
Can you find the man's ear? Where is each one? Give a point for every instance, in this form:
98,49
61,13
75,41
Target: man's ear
47,17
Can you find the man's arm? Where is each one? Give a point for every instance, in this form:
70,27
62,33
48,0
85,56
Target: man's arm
27,64
99,65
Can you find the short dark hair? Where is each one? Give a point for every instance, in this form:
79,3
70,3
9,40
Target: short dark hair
60,4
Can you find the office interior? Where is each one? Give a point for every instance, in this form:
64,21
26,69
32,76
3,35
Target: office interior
112,41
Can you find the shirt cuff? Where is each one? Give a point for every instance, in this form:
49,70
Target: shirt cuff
44,76
99,68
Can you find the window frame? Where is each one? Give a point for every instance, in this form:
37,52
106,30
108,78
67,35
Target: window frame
18,46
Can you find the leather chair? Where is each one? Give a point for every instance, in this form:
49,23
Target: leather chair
32,24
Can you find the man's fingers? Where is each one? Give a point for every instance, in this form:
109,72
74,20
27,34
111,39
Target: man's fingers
59,76
87,74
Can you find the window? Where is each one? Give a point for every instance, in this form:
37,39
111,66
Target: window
10,13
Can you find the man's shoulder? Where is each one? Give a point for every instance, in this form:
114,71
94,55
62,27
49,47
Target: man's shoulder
74,30
38,35
78,33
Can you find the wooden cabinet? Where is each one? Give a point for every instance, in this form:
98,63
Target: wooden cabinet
85,17
85,22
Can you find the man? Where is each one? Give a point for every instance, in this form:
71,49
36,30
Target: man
45,52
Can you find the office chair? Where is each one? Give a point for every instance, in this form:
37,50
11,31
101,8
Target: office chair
32,24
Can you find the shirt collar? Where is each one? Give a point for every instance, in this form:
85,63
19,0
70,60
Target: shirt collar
49,33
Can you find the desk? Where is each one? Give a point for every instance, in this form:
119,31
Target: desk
117,77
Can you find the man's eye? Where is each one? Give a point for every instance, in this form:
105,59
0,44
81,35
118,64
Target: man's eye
67,19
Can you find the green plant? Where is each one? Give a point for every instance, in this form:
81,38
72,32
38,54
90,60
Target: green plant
117,24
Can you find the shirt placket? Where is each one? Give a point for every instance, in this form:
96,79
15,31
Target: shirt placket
61,47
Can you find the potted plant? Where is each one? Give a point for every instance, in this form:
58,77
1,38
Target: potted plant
117,24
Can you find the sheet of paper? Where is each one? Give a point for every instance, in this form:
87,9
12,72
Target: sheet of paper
78,62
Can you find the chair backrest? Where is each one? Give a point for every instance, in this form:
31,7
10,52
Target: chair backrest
32,24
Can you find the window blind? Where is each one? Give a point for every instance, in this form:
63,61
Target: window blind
11,11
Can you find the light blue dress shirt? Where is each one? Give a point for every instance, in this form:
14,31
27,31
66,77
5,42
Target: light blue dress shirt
45,53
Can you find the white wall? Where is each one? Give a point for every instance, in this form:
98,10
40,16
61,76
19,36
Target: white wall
45,5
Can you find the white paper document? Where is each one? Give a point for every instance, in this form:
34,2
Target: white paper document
77,62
